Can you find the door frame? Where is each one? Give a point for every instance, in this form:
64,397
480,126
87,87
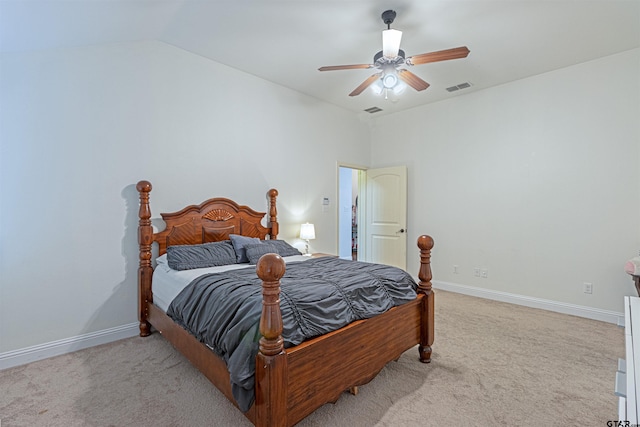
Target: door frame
361,189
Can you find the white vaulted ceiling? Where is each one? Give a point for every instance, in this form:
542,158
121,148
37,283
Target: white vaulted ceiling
286,41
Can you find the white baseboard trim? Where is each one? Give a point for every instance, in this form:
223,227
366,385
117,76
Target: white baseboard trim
26,355
558,307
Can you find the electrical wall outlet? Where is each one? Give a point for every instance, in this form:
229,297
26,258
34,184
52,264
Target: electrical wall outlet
484,273
476,271
455,269
587,288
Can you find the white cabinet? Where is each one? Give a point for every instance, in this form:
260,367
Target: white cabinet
628,375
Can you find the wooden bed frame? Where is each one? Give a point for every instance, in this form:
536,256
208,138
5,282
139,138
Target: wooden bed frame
289,383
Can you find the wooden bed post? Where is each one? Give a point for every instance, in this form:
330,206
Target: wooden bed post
271,361
273,214
145,238
425,243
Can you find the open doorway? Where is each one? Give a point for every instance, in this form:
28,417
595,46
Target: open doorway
372,214
348,192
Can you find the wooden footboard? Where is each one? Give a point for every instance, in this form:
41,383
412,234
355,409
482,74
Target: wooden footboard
289,384
320,371
292,384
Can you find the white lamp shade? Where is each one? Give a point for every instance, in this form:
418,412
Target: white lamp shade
307,231
377,87
391,43
399,87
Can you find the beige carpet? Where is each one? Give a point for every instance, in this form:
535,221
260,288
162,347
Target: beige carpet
494,364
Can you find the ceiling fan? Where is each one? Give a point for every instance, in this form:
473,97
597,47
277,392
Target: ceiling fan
389,60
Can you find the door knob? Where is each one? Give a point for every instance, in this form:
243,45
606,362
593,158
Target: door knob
402,230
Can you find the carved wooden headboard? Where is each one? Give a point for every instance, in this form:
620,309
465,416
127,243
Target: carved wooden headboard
211,221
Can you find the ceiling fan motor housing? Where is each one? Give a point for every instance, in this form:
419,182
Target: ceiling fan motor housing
380,59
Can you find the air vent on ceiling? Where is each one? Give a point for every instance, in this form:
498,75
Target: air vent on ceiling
372,110
458,87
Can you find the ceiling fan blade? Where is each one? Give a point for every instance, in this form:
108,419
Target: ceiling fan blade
365,84
345,67
441,55
412,80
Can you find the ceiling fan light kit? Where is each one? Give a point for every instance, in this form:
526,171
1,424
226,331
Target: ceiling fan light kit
389,60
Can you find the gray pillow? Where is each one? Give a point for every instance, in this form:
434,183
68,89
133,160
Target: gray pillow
284,249
187,257
255,251
239,242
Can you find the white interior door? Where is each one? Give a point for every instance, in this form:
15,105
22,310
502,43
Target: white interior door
385,217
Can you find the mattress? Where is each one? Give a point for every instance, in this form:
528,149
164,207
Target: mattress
168,283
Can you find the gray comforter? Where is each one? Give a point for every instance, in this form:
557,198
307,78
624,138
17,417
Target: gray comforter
317,296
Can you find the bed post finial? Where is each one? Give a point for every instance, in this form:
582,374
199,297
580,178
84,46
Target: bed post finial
145,238
273,214
271,361
425,243
270,268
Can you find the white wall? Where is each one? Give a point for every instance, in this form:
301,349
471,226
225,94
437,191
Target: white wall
537,180
79,127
